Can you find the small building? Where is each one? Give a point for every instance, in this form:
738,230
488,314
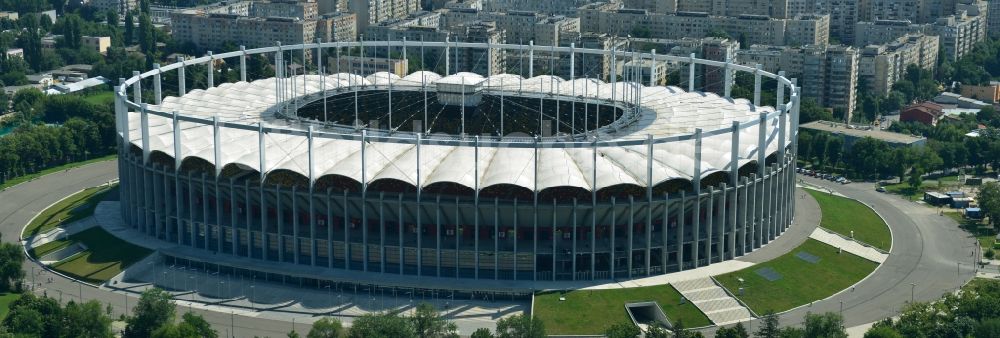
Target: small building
961,202
936,198
370,65
988,93
12,16
852,134
98,44
973,213
14,53
44,79
928,113
974,181
955,194
76,86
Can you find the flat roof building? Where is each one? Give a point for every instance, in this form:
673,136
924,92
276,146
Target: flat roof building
853,134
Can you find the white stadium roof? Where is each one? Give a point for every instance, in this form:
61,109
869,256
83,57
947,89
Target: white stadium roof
666,111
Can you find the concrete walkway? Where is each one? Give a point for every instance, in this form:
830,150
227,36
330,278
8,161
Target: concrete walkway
713,301
854,247
60,232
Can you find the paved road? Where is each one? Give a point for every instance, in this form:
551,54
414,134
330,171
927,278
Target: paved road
22,202
930,256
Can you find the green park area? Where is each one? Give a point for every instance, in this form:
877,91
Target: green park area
5,300
811,272
104,257
843,215
73,208
912,193
593,311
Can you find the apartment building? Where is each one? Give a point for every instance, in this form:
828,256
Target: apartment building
556,7
121,6
258,24
993,18
707,78
374,11
337,26
485,61
843,14
808,29
519,26
960,32
368,65
772,8
828,74
752,29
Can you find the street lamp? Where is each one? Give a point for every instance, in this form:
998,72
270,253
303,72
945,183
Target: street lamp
912,287
251,298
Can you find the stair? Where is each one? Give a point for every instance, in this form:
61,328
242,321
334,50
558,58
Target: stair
713,301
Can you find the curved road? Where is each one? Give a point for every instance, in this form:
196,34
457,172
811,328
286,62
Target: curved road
929,256
20,203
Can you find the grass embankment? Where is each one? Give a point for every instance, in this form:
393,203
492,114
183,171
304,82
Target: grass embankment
105,257
21,179
593,311
100,98
843,215
800,282
76,207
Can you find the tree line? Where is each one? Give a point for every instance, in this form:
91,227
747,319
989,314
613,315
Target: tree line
54,130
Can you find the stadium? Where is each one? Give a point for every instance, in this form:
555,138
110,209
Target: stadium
514,179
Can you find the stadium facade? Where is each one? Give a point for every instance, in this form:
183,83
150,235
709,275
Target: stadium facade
333,177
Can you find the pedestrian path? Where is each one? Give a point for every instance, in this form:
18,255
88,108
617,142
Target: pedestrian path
848,245
60,232
711,299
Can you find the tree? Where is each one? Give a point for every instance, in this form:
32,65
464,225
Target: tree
382,325
622,330
129,28
147,37
153,311
768,326
882,332
989,201
326,328
520,326
428,323
31,41
826,325
11,274
111,17
988,328
737,331
86,320
481,333
30,315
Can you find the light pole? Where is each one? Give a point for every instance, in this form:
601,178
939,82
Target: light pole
232,322
912,287
81,291
251,298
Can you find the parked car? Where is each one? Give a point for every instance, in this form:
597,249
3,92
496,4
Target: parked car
880,189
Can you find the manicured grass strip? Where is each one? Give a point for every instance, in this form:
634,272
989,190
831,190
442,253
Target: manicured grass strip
5,300
21,179
593,311
105,257
843,215
101,98
801,282
76,207
49,247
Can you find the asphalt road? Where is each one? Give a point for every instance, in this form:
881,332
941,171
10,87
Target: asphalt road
20,203
930,256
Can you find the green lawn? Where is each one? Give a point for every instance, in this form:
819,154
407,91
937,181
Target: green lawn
50,247
105,257
843,215
21,179
5,300
101,98
73,208
944,183
801,282
593,311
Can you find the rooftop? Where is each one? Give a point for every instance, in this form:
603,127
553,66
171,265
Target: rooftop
860,132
